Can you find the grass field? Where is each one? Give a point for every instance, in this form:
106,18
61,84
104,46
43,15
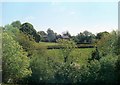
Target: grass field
48,43
78,55
51,45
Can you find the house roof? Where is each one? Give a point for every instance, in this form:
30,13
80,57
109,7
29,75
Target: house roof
65,37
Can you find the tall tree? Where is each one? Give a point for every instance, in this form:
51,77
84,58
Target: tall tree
80,38
16,24
51,35
67,47
101,34
67,34
42,33
85,37
15,63
28,29
23,39
43,36
88,36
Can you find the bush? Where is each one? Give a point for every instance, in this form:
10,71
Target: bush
15,61
41,70
107,71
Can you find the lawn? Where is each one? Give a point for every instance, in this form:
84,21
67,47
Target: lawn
79,55
48,43
51,45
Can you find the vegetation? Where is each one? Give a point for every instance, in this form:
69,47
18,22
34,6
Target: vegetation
28,29
27,58
15,61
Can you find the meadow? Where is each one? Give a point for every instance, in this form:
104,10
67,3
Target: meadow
78,55
81,55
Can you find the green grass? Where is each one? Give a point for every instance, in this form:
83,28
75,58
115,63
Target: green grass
52,45
82,54
48,43
79,55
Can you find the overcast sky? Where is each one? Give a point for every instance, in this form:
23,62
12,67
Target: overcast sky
74,17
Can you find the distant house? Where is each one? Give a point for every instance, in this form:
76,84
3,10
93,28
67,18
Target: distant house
65,37
45,36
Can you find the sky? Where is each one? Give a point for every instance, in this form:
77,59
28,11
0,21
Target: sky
74,17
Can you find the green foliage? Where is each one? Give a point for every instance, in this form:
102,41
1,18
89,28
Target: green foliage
66,73
43,36
67,47
28,29
117,52
41,70
79,56
16,24
65,65
118,69
95,55
85,37
116,44
79,38
1,29
101,34
94,68
15,61
67,34
102,71
25,41
105,44
107,71
13,31
51,35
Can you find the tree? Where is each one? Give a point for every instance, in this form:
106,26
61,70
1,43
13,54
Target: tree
86,33
1,29
16,24
117,52
101,34
28,29
51,35
67,47
85,37
116,42
107,71
95,55
88,36
105,44
41,70
15,62
13,31
43,36
80,38
66,74
42,33
23,39
67,34
118,69
93,72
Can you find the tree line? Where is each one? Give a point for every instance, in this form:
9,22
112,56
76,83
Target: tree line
51,36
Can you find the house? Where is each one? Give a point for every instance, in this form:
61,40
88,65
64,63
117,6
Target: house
65,37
